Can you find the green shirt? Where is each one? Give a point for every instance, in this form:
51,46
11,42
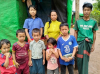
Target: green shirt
85,29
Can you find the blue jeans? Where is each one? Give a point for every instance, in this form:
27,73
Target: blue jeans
37,66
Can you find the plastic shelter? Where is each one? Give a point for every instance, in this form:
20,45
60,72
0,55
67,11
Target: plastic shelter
14,12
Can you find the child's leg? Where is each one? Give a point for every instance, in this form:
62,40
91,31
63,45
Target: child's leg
26,68
50,71
63,69
19,70
40,66
56,71
33,68
70,69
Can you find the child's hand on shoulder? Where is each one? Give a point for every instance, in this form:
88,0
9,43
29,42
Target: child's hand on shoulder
17,65
30,63
43,61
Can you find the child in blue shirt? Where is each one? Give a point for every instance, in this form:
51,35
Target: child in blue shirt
67,45
32,23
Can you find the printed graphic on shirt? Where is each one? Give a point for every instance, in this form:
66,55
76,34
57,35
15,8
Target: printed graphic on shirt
86,27
70,43
22,54
67,49
53,60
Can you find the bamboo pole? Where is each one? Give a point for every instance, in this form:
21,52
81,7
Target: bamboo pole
76,18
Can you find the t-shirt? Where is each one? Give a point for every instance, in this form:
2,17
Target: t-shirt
85,29
37,48
21,52
10,69
66,47
31,23
53,30
52,62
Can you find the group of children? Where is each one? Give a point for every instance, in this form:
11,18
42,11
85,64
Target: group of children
25,55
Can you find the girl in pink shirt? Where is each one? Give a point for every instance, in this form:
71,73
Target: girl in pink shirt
52,56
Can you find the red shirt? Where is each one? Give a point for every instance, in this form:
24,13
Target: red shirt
21,52
10,69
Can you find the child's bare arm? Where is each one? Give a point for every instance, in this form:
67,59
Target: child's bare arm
73,54
63,58
13,55
43,56
48,55
41,30
55,53
7,60
30,61
27,34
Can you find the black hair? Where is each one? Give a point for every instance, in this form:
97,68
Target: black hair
88,5
4,41
36,30
64,24
34,8
52,41
50,16
20,31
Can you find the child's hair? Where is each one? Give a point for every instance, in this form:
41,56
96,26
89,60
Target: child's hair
36,30
64,24
4,41
34,8
52,41
50,16
89,5
20,31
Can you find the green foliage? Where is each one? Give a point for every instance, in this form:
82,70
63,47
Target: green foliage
96,12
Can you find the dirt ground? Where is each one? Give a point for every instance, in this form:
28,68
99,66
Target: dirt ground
94,63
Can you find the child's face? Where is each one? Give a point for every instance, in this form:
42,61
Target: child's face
86,11
36,36
32,11
21,37
64,30
53,16
50,46
5,48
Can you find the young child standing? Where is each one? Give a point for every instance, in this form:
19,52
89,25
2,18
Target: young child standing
20,53
67,45
37,48
6,62
52,56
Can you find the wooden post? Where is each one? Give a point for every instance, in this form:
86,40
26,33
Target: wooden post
76,18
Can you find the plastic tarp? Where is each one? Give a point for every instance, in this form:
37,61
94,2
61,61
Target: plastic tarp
12,16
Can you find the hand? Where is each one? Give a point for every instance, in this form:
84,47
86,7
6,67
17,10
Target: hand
43,61
66,60
17,65
7,54
92,48
30,63
52,50
70,58
86,39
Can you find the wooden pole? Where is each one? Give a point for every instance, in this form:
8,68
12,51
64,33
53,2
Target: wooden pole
76,18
